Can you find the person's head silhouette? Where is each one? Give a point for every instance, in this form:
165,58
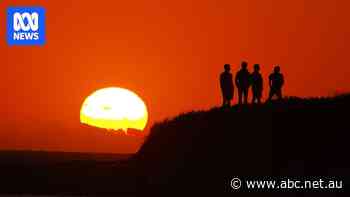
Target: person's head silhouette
277,69
227,67
256,67
244,65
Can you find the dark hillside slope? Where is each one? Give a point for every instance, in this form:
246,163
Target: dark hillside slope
202,151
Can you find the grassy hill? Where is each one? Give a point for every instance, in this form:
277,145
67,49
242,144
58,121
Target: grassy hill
203,150
200,152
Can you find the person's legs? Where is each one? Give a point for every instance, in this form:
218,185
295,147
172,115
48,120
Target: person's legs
239,96
226,102
279,94
272,92
259,95
254,97
245,92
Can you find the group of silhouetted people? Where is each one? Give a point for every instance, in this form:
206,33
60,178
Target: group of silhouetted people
244,80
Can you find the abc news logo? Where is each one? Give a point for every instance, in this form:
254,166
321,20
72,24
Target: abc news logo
26,26
32,26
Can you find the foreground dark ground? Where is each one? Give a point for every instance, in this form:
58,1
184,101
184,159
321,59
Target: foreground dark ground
200,152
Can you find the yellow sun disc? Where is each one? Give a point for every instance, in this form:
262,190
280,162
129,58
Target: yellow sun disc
114,108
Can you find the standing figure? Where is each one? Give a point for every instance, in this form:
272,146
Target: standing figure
257,84
276,82
242,83
226,85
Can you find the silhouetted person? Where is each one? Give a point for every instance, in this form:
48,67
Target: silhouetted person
242,83
257,84
276,81
226,85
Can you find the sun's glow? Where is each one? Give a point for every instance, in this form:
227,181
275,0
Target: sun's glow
115,109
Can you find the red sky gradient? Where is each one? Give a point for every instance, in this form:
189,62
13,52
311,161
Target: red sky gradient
169,52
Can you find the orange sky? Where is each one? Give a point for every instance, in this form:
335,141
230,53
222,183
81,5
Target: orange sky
168,52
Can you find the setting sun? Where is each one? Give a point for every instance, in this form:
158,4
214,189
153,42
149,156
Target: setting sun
114,108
